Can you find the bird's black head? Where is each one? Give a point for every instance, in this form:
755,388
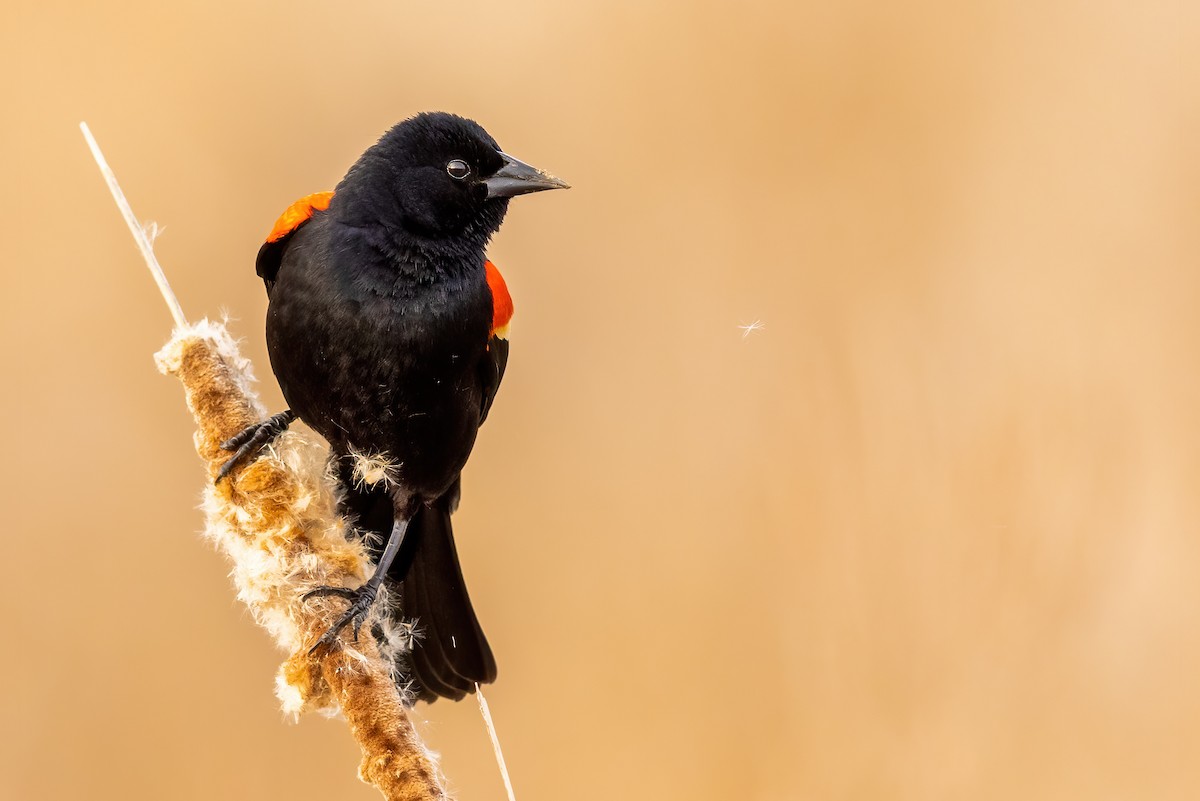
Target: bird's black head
437,181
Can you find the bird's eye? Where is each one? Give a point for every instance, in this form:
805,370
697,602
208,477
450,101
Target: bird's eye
458,169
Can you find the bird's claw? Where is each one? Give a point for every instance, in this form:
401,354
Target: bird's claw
360,604
251,439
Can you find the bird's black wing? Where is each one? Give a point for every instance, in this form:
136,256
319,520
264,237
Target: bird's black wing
491,372
270,257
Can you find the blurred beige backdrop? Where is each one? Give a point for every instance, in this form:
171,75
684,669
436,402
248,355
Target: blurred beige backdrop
928,533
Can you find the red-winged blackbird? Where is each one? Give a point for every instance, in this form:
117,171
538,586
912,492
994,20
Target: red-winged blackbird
387,331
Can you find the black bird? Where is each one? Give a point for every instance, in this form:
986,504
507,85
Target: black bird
387,330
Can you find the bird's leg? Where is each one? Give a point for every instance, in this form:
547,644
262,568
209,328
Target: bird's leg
361,598
252,438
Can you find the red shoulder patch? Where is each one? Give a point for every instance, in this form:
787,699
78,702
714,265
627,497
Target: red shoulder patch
502,305
298,213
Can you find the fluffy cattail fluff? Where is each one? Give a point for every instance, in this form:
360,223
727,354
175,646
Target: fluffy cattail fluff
276,519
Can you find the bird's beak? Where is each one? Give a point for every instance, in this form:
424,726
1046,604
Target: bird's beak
518,178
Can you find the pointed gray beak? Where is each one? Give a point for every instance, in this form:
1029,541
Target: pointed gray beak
518,178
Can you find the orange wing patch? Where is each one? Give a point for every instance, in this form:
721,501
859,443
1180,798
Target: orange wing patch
298,213
502,305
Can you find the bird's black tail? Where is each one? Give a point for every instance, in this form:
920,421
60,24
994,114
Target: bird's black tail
450,653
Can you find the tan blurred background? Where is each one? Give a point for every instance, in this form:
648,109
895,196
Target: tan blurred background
930,533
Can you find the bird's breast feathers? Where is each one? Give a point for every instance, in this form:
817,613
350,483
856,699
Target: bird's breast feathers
302,211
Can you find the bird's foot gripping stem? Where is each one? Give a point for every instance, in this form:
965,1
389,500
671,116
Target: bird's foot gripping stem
252,439
360,604
362,598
